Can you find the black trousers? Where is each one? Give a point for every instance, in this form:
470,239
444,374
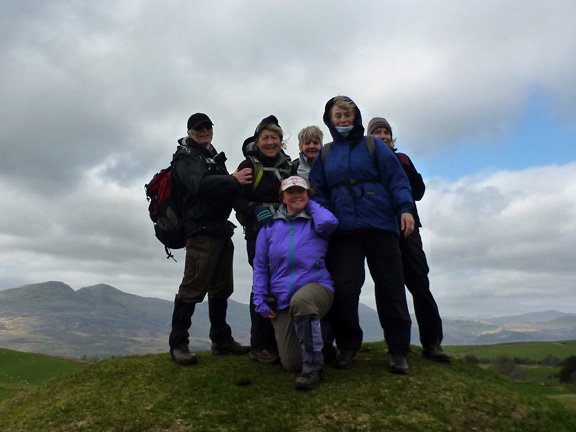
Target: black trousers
417,282
220,331
345,261
261,329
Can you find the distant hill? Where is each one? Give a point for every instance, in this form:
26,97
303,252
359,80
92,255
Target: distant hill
534,317
100,320
536,327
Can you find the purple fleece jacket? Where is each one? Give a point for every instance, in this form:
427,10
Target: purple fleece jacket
290,254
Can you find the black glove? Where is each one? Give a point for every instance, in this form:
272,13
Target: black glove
220,158
263,215
271,302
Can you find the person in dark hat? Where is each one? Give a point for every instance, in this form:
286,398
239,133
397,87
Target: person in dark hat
206,191
255,206
414,261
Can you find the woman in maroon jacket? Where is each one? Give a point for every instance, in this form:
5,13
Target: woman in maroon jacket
413,257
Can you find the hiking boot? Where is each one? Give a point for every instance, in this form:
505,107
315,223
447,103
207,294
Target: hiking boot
436,353
183,356
345,359
229,347
264,356
309,380
398,364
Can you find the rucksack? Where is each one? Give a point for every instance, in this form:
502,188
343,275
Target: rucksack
403,158
164,210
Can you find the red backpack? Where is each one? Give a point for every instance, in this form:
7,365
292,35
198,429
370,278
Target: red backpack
164,210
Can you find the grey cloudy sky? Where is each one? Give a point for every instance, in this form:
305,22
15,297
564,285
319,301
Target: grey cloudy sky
481,95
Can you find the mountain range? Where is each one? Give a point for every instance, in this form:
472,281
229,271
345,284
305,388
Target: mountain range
100,320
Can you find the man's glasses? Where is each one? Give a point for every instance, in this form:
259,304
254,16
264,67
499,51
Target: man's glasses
205,126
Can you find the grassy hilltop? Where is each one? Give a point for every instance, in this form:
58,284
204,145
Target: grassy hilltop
151,393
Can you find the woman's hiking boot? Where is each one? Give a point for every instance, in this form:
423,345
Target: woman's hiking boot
436,353
265,356
345,359
183,356
309,332
309,380
229,347
398,364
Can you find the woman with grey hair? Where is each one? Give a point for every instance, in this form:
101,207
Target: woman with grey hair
309,144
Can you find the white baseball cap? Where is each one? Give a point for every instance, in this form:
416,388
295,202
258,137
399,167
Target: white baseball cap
294,181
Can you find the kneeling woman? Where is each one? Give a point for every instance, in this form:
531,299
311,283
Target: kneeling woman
291,284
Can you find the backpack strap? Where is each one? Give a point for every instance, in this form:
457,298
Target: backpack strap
370,144
324,151
259,171
277,172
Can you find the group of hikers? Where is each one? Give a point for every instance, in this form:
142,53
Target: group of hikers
310,225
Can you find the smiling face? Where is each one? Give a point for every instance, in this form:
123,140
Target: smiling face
295,199
203,134
269,143
342,116
310,148
385,135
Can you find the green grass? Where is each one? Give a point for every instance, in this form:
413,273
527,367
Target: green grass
151,393
538,379
19,370
532,350
541,373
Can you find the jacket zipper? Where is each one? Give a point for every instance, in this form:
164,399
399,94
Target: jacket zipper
292,276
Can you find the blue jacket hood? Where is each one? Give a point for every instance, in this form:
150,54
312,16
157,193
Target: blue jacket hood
356,134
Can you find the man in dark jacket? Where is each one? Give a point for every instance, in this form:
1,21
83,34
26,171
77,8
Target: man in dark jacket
206,190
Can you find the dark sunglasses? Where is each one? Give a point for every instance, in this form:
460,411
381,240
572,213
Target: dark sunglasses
203,126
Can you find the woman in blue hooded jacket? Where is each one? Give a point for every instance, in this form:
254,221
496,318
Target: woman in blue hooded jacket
368,192
291,284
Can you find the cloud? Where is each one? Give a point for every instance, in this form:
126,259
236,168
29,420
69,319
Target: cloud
96,94
503,239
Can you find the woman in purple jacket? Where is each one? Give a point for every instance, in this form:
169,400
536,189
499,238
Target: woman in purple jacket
291,284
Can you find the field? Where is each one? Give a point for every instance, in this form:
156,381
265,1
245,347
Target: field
20,371
534,379
535,350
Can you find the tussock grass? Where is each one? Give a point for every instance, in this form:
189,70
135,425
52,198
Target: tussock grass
151,393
